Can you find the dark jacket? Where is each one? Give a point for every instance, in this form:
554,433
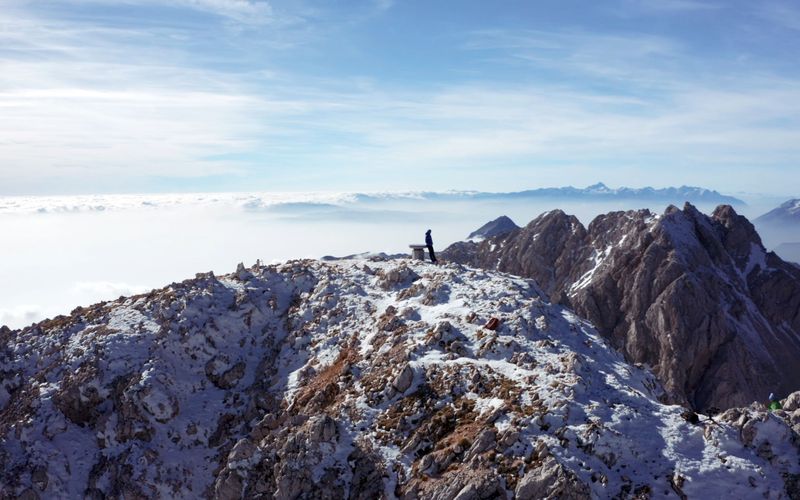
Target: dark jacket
428,239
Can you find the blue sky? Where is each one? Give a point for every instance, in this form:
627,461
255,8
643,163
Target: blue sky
105,96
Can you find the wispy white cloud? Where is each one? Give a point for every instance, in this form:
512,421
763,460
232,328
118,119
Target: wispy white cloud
52,131
85,102
673,5
111,102
487,125
781,13
121,103
633,59
384,4
243,11
240,10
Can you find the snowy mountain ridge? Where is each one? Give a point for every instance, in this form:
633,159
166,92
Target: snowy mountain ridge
695,296
359,378
779,227
787,213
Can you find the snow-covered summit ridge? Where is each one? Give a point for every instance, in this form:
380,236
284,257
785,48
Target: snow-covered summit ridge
793,206
360,378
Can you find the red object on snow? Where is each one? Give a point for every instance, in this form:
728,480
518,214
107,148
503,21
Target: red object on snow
492,324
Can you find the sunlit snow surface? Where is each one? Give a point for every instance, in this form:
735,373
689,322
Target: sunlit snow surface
601,419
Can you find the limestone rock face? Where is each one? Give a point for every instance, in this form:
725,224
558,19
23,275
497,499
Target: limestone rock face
551,480
696,297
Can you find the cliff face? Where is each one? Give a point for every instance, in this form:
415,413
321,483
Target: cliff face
695,297
358,379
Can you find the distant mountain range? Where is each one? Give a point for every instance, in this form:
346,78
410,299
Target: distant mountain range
600,190
332,201
786,214
780,229
595,192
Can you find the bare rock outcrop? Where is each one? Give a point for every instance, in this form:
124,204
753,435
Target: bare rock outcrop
696,297
551,480
499,226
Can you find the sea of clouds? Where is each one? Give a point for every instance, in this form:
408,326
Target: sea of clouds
61,252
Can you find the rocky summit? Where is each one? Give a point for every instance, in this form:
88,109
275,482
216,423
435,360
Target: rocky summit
695,297
367,378
500,226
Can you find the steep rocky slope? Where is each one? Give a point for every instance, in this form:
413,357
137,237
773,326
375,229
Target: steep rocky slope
695,297
358,379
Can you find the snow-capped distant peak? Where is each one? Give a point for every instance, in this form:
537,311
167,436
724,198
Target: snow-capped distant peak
598,188
787,215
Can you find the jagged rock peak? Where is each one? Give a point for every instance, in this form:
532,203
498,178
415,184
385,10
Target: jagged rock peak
696,297
556,218
500,226
598,187
360,378
726,213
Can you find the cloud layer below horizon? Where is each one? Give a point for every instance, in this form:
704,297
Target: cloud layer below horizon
66,251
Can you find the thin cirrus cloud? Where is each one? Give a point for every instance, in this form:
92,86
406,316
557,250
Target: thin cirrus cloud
655,93
673,5
78,105
578,58
609,97
94,105
241,11
780,13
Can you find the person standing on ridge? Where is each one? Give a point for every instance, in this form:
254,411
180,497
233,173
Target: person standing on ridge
774,403
429,243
